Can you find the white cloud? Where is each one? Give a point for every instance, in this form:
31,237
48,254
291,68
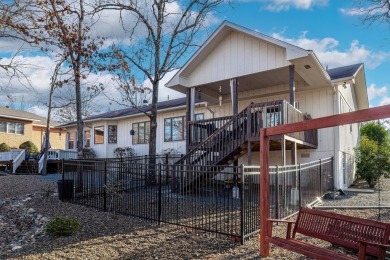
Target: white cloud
378,96
351,11
385,101
33,90
372,10
285,5
328,53
33,80
165,93
38,110
373,91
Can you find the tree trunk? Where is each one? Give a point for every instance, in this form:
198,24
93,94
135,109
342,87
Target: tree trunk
47,134
152,176
80,125
77,74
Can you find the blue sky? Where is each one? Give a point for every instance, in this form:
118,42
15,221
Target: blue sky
329,27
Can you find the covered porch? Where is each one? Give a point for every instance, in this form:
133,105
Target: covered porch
244,113
248,80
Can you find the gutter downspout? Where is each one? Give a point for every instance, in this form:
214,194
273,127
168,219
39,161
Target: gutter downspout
336,181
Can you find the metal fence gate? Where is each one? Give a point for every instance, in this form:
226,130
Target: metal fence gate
217,199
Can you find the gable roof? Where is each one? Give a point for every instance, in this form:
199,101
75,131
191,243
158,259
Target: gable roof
293,54
16,114
355,74
344,72
225,28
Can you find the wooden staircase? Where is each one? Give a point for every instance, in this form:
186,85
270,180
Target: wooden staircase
221,141
28,167
221,148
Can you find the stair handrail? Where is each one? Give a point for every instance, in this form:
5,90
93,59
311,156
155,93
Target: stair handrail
217,132
18,160
40,164
227,124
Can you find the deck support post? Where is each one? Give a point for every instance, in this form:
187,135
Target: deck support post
190,115
293,153
234,95
283,141
291,70
264,191
249,153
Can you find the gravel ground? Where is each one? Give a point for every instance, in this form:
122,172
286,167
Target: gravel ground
27,202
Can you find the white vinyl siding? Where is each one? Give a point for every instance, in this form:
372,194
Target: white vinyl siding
238,55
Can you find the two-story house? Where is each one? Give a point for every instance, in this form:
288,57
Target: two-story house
238,81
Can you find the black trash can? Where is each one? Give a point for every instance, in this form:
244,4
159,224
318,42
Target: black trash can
65,189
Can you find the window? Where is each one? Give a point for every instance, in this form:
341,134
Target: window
19,128
11,128
3,127
199,116
99,134
174,128
112,134
87,138
70,136
141,132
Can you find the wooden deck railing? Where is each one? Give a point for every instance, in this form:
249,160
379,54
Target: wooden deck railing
57,154
256,116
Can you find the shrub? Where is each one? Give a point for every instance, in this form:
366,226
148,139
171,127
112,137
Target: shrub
61,226
372,161
29,147
4,147
124,152
375,132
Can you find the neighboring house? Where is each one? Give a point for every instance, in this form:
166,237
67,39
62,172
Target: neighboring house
17,127
245,80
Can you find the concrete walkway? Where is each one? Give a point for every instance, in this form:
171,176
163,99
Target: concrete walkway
51,177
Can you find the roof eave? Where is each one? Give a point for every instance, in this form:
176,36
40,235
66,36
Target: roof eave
19,118
178,81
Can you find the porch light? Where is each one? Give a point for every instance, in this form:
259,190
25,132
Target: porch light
132,132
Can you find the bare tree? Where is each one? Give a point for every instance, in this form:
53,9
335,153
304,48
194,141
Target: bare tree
53,86
128,92
64,103
60,28
12,68
374,11
13,102
161,33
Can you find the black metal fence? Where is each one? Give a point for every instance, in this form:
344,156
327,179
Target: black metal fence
223,200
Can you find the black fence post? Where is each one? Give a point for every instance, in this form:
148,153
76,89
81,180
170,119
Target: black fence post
242,206
159,193
276,190
63,181
299,185
105,187
166,167
62,170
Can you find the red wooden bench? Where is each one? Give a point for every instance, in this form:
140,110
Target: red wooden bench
368,237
